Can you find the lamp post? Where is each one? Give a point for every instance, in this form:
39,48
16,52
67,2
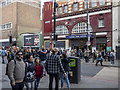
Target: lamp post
54,23
88,22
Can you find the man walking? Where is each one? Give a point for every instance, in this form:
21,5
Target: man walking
53,65
16,72
3,54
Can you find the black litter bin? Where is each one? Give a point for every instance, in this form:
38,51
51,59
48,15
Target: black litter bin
75,72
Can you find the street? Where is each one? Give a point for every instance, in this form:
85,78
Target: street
91,77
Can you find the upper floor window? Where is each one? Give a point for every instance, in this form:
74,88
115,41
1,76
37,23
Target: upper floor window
75,7
61,29
80,27
86,4
2,27
102,2
94,3
60,10
6,26
3,4
65,9
101,22
9,25
8,1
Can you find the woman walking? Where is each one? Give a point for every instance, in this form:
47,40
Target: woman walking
65,63
39,71
30,73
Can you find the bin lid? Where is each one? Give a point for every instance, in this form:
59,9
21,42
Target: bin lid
73,57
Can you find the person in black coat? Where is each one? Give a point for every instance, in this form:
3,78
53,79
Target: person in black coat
65,63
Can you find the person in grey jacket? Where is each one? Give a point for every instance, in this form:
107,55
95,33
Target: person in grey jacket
16,72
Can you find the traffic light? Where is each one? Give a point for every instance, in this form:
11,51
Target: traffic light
10,39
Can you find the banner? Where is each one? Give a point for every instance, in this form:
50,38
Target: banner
48,6
31,40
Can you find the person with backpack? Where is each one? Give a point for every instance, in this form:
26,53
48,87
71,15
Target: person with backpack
65,63
30,73
38,71
3,54
112,55
99,58
16,72
10,56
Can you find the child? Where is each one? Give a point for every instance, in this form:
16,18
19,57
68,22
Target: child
38,70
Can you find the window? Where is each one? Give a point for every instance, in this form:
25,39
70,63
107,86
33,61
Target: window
75,6
102,2
3,4
60,10
9,25
8,1
2,27
6,26
101,22
86,4
65,9
61,29
81,28
94,3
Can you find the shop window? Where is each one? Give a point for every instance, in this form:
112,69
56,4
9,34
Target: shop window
75,7
60,10
61,29
101,22
65,9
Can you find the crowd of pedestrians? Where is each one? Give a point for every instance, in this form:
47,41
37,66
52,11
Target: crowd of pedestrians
26,66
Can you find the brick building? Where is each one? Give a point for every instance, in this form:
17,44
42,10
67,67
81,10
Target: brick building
17,18
71,24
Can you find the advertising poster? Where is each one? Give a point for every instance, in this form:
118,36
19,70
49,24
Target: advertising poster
31,40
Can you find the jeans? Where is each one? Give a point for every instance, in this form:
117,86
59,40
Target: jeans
30,85
3,59
67,80
44,72
112,61
37,82
56,76
18,86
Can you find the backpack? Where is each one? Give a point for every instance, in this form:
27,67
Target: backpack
29,75
6,73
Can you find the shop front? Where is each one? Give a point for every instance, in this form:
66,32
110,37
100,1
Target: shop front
79,41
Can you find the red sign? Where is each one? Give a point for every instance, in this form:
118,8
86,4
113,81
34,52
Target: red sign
88,43
48,6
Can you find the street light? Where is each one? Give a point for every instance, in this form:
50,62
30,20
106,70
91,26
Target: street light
88,22
55,38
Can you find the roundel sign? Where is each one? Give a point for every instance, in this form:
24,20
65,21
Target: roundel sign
88,43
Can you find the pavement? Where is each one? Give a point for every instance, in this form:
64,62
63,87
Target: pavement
92,77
